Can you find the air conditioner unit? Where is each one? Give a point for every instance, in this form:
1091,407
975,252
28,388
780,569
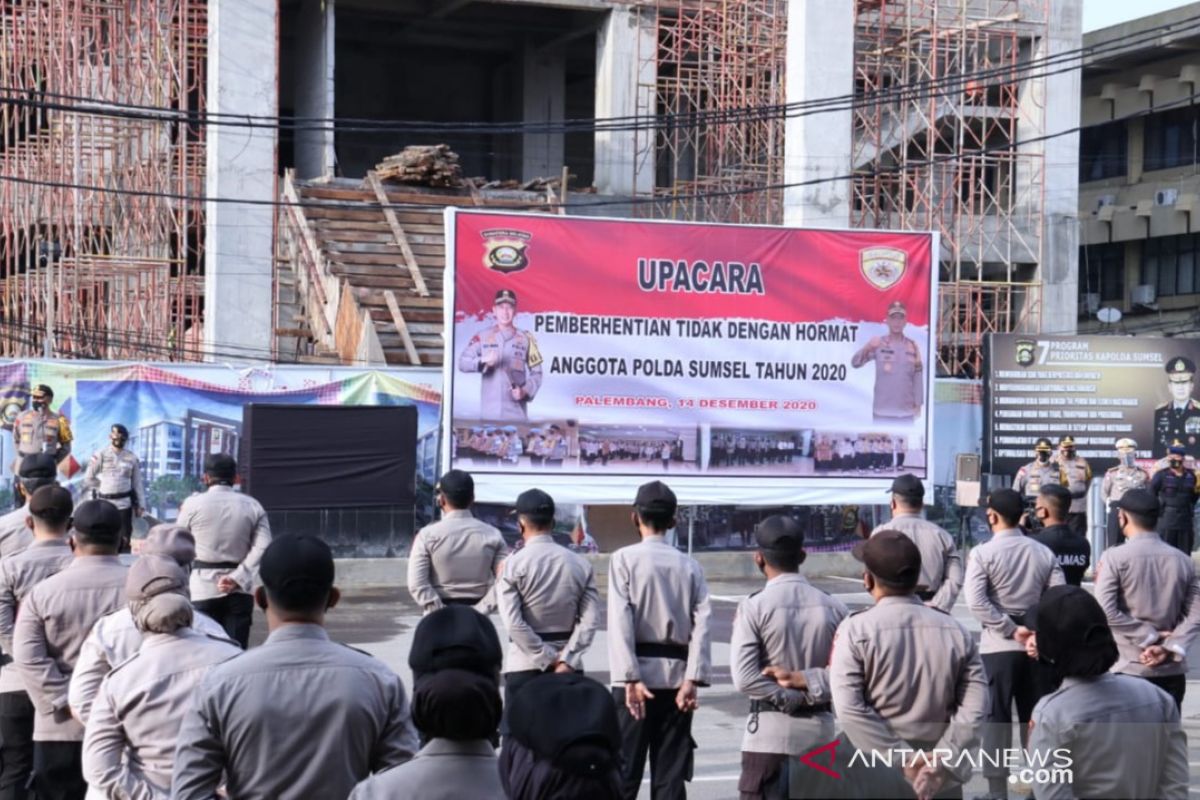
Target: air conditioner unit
1166,197
1090,302
1105,200
1144,295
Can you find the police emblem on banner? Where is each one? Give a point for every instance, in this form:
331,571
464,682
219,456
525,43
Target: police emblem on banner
883,267
504,250
1025,352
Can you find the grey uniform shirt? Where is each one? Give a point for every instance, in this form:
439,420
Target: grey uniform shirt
549,604
941,563
455,557
519,364
657,595
18,575
1146,586
56,617
229,527
1123,736
789,624
15,535
113,471
1120,479
129,746
903,674
298,717
443,770
113,640
1005,578
899,376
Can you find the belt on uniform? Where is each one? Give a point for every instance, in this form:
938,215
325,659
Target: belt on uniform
117,496
678,652
1017,618
215,564
760,707
462,601
553,636
925,594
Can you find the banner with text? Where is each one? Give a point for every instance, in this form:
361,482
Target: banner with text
1096,389
742,364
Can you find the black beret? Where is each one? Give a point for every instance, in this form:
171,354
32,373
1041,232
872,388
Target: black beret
38,465
1068,621
535,503
890,556
779,534
97,518
52,504
1139,501
455,637
655,498
296,559
569,720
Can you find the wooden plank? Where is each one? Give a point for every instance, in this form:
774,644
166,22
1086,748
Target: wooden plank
371,296
398,318
409,258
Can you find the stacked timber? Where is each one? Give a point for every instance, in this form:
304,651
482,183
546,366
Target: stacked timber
422,165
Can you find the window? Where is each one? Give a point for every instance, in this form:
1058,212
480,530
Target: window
1171,138
1102,271
1172,264
1102,151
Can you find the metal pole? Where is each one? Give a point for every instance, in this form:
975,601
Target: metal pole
48,348
691,527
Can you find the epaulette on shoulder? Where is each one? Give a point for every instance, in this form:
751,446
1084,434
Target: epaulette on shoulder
1161,406
355,649
127,661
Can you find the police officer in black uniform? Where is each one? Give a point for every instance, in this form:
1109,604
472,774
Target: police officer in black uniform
1177,492
1179,418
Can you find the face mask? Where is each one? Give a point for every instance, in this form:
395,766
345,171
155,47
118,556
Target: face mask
1175,463
1127,459
1043,457
38,405
118,441
1069,453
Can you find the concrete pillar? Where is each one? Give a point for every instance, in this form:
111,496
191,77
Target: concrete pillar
820,64
313,80
543,97
242,79
625,87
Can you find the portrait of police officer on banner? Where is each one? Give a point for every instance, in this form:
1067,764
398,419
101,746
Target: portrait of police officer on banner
1179,417
899,373
507,359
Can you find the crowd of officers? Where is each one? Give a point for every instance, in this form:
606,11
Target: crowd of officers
547,447
741,450
864,453
658,452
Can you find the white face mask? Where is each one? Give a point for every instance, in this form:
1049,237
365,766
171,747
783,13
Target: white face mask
1127,459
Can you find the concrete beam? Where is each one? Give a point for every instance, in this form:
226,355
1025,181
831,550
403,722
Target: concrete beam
543,98
625,87
314,86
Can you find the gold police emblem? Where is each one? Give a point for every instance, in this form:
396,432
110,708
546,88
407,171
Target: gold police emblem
883,267
1025,352
504,250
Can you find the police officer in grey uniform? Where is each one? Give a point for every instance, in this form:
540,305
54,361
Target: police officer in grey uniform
509,360
941,563
49,516
34,472
301,716
659,648
115,638
55,618
548,599
114,474
1117,481
1006,576
455,659
904,675
40,430
1030,479
787,627
1151,595
899,373
1079,477
129,743
455,560
232,532
1098,717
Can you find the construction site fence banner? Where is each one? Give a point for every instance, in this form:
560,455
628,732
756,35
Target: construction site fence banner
740,364
178,414
1095,389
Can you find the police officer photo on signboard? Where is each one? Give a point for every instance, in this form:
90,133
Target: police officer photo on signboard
1179,417
507,359
899,373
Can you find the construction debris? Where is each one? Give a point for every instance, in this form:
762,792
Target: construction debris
423,165
532,185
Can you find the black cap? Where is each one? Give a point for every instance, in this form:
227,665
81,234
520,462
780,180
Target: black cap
656,498
1177,449
1069,622
1182,366
121,429
52,504
296,559
891,557
536,504
455,637
1007,503
1139,501
779,534
38,465
97,519
908,486
569,720
506,296
456,483
42,388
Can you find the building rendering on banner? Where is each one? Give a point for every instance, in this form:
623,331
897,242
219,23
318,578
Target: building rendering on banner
1139,258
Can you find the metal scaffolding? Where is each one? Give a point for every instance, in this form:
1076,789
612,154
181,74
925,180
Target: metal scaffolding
942,150
712,58
114,271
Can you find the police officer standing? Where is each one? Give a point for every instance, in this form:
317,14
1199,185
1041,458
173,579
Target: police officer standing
1078,477
40,430
1041,471
509,360
658,648
783,631
1117,481
114,474
1006,576
455,561
941,563
1177,488
1151,595
548,599
33,473
899,373
1179,417
1072,551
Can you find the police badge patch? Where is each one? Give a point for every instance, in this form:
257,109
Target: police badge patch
1025,352
504,250
883,267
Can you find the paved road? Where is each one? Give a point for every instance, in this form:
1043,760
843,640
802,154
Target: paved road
381,622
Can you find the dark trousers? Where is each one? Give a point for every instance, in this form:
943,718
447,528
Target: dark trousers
1012,677
126,528
1179,537
764,776
1077,522
233,611
665,733
58,771
1173,685
1112,532
16,745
